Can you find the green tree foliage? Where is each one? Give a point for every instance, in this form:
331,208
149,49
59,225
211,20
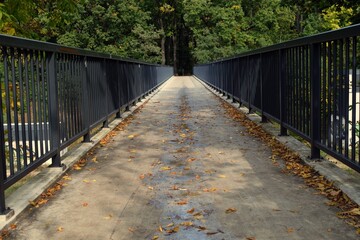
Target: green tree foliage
42,19
225,28
174,32
113,26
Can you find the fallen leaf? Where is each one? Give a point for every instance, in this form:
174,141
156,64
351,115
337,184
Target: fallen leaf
131,136
108,217
167,168
170,225
76,167
352,212
190,211
42,201
151,188
221,176
191,159
66,177
201,228
142,176
94,160
182,202
160,229
186,168
174,230
230,210
174,187
197,177
290,230
86,181
85,204
60,229
209,189
211,233
187,224
131,229
13,226
250,238
155,237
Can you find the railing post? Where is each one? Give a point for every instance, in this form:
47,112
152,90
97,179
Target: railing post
263,117
3,160
106,107
54,108
127,77
282,79
119,79
315,62
85,98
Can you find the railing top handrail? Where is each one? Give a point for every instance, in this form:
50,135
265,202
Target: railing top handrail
24,43
346,32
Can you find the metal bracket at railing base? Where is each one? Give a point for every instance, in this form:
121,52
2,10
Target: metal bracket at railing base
6,215
315,159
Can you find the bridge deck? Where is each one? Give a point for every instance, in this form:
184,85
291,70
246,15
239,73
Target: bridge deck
183,169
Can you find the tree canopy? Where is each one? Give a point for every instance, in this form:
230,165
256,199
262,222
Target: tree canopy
173,32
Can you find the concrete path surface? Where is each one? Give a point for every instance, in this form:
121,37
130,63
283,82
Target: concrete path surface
183,170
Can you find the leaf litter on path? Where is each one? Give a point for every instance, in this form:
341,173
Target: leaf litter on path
295,165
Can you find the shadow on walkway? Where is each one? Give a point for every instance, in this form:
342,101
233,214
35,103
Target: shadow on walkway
183,170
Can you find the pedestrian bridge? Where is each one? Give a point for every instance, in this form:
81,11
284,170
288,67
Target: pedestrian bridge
186,164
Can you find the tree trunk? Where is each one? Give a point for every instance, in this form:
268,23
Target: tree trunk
163,39
175,55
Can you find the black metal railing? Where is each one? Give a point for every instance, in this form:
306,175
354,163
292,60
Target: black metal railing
54,95
310,86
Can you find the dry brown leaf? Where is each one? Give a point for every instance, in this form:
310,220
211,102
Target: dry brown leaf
352,212
230,210
131,136
290,230
42,201
221,176
187,224
201,228
160,229
210,189
85,204
191,159
76,167
174,187
167,168
67,177
250,238
182,202
60,229
191,210
173,230
155,237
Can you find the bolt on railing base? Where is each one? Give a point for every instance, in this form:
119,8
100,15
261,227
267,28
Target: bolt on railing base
6,215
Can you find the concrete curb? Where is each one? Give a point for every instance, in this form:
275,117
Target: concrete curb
31,190
347,181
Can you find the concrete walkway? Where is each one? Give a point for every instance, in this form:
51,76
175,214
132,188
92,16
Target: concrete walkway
183,170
